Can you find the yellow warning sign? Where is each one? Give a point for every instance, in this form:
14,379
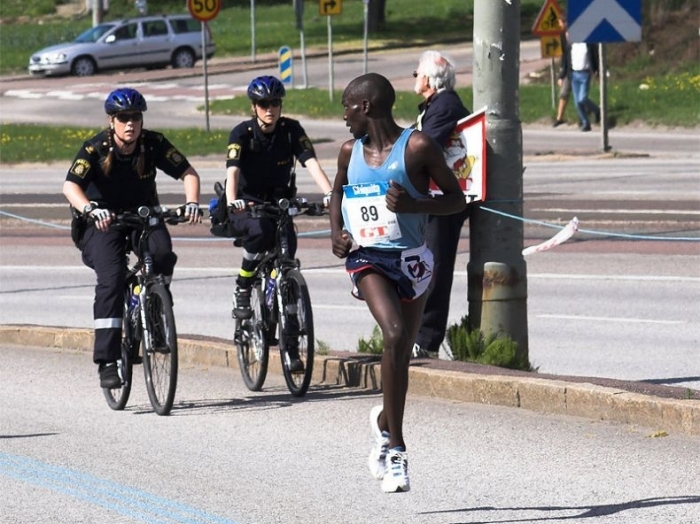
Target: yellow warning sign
330,7
547,22
550,46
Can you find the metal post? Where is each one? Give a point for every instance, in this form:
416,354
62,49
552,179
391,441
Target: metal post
252,31
330,59
303,60
497,282
603,72
299,15
204,71
366,38
551,77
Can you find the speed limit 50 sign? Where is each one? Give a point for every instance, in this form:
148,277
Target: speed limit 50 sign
204,10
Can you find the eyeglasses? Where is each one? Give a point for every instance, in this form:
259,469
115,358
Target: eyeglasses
264,104
129,117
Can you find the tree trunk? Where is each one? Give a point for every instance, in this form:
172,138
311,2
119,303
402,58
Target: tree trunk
375,15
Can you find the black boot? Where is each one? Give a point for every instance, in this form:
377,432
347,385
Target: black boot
243,289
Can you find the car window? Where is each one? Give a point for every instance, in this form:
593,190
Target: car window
94,33
154,28
126,32
186,25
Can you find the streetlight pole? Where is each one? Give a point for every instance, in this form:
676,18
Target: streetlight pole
497,282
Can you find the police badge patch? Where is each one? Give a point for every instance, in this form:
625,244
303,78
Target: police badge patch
306,143
234,152
174,156
80,168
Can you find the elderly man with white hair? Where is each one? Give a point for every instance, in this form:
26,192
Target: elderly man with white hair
439,113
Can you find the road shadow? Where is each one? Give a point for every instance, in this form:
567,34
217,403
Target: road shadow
581,512
276,397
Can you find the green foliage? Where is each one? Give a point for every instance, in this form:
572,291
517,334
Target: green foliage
373,346
322,348
408,22
470,345
35,8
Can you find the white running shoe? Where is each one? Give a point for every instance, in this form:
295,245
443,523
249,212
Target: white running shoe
396,476
377,457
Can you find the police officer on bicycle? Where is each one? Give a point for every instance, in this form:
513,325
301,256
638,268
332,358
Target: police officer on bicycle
115,171
260,166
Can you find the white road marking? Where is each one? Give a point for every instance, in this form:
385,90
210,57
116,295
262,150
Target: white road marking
619,211
341,269
611,319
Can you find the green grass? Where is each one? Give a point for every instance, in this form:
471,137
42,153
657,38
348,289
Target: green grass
409,22
670,98
39,143
670,101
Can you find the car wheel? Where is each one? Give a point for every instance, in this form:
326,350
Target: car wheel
183,58
83,66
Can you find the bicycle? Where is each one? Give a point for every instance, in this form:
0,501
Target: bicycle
148,320
280,303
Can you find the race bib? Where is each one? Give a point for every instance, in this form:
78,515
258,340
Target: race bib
366,215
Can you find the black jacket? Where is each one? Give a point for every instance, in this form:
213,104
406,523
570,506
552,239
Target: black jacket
566,58
439,115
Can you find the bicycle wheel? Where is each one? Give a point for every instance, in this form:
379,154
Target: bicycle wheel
251,342
118,397
160,362
297,330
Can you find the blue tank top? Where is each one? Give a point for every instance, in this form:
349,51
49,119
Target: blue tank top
412,225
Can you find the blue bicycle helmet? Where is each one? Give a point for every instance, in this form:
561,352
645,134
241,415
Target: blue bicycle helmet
266,88
125,99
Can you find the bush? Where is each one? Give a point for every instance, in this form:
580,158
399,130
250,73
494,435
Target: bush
470,345
373,346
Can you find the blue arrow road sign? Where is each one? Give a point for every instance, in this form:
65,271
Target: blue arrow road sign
605,20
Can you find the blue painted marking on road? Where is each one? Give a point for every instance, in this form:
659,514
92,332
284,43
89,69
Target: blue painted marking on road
104,493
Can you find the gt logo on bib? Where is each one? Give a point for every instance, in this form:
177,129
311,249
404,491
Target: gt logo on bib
367,217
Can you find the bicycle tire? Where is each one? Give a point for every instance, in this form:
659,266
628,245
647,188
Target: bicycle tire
160,363
252,343
118,397
295,291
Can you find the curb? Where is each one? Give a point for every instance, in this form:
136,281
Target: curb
556,397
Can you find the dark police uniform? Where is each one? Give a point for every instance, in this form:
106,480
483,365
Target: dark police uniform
266,161
104,251
438,117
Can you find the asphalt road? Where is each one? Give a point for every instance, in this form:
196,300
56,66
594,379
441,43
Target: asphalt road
614,276
599,304
228,456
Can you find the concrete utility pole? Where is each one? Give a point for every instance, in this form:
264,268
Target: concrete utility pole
97,12
497,286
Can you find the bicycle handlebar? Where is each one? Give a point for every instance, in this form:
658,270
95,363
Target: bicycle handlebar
291,207
145,213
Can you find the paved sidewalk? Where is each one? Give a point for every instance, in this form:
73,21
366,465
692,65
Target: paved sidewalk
659,408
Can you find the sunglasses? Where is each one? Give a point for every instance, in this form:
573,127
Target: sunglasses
129,117
264,104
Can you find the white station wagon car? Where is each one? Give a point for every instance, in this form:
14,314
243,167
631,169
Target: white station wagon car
149,41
